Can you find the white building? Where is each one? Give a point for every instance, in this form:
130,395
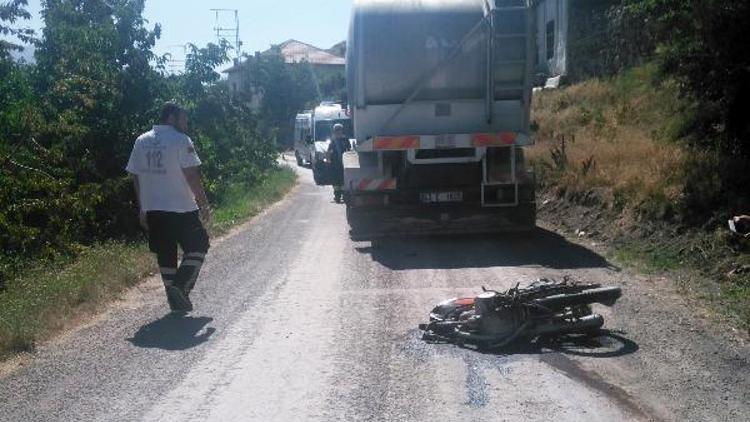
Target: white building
572,37
551,36
294,52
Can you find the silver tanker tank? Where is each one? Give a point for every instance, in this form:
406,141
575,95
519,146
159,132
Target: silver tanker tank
440,94
420,67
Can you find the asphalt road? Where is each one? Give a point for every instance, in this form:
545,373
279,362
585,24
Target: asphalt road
296,322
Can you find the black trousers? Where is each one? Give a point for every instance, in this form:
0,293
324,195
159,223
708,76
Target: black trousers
167,231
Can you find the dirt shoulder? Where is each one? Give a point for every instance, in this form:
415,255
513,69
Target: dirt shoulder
704,267
615,166
688,348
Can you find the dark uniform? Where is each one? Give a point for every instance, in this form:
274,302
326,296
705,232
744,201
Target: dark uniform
336,150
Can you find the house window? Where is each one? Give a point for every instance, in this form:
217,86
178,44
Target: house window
550,40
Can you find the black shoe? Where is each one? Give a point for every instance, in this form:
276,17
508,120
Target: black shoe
178,300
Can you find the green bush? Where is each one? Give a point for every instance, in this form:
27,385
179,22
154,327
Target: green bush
701,43
68,123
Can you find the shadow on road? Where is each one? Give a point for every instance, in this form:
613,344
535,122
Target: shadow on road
541,247
605,344
173,332
602,344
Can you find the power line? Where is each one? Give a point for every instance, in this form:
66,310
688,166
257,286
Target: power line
174,65
233,32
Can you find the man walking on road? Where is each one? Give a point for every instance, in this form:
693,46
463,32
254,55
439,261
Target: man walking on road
336,149
167,179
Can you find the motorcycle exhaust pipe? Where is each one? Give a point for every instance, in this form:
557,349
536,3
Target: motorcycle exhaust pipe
580,325
607,296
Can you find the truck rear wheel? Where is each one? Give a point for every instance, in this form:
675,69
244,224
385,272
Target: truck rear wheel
360,223
524,217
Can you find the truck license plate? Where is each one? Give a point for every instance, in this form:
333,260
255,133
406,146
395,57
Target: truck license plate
445,141
432,197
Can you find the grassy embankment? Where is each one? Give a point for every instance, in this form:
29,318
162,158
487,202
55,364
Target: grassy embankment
49,295
612,161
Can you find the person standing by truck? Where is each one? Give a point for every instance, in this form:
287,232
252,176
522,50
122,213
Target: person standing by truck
167,180
336,149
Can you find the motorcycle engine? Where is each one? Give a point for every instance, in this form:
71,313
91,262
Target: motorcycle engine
496,318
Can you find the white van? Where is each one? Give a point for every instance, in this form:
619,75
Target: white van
324,117
303,139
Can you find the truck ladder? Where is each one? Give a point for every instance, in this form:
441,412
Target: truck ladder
511,44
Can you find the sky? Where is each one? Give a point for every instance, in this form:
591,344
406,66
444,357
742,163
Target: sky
322,23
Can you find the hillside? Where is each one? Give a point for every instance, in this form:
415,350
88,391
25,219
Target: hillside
614,164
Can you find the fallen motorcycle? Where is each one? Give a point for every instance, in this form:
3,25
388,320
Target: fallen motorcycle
544,308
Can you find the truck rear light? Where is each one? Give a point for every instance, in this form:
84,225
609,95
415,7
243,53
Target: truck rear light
493,139
374,185
397,142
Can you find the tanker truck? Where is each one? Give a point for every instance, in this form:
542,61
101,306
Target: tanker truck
440,93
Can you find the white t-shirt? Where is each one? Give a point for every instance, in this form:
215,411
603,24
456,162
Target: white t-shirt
158,158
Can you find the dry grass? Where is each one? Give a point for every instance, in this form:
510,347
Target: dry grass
617,136
45,297
623,139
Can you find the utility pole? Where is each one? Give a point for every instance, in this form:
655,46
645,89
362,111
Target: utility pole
233,32
176,65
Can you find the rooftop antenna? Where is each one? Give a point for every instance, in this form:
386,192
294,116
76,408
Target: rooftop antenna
223,33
